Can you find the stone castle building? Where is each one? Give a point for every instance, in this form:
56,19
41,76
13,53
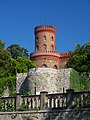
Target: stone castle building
45,54
51,74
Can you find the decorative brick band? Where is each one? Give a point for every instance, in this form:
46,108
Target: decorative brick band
45,28
55,58
60,57
50,53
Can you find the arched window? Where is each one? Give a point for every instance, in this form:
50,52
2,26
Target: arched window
37,37
44,65
44,37
52,38
37,48
55,66
44,47
52,48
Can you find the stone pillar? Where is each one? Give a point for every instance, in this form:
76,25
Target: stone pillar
18,101
43,100
69,98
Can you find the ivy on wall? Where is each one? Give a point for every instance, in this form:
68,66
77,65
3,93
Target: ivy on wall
79,81
10,82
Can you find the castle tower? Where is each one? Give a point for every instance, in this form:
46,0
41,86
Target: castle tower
45,38
45,47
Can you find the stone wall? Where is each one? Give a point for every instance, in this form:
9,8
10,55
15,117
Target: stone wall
47,115
21,82
43,79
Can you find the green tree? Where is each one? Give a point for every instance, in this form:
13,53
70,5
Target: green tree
24,64
80,58
10,64
79,81
2,44
80,61
16,51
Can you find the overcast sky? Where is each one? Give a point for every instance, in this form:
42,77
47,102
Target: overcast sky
70,17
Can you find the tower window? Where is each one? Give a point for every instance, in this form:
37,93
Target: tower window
44,37
44,65
55,66
37,48
52,48
44,47
52,38
37,38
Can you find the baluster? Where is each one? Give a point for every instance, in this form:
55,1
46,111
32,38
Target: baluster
11,105
64,101
56,103
52,103
6,105
48,102
37,103
77,102
82,102
29,103
33,103
3,108
60,101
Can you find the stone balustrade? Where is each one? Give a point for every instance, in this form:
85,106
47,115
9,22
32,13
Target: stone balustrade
7,104
56,101
45,101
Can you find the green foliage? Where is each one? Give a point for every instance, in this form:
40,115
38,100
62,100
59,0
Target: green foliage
16,51
7,81
24,106
2,44
12,60
8,106
80,61
80,58
79,81
24,64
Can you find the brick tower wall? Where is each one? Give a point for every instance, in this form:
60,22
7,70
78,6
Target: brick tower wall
45,38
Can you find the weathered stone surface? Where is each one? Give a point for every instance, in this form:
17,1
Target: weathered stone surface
46,115
21,82
44,79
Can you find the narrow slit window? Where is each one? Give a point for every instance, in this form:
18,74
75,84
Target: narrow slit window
44,47
44,37
52,38
37,48
52,48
